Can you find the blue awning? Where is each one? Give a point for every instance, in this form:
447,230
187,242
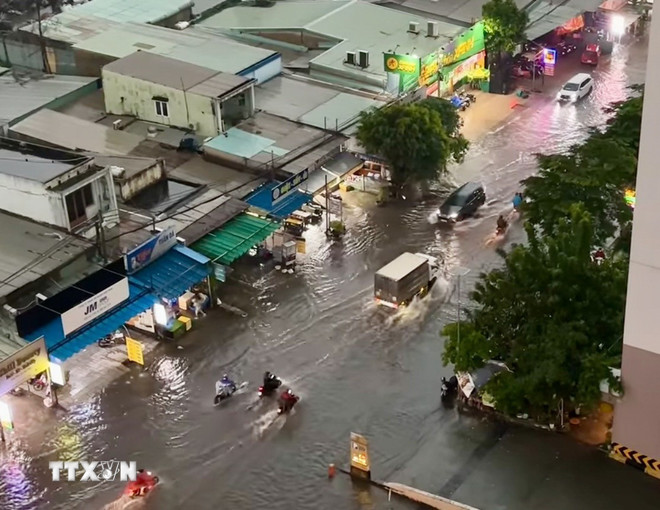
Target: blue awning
173,273
139,301
292,201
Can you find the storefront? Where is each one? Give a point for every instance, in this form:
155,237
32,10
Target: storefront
462,61
106,300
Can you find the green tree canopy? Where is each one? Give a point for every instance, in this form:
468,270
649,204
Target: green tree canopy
553,316
626,124
595,174
504,25
418,140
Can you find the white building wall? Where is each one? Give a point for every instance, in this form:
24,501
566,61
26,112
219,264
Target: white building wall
266,72
31,200
125,95
637,415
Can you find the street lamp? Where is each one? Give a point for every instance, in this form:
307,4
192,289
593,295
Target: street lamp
458,272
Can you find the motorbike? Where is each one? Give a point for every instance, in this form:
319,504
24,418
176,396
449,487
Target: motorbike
224,391
39,383
286,403
468,98
458,102
142,486
269,386
448,387
112,339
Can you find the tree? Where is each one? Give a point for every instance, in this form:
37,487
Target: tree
414,140
626,124
553,317
595,174
504,25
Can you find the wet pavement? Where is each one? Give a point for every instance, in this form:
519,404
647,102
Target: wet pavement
355,367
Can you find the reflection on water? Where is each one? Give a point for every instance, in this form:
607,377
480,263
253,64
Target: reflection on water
358,367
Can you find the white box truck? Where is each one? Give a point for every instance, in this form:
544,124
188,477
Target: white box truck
407,276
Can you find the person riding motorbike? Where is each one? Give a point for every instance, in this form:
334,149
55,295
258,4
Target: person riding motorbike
502,225
288,400
271,382
517,200
225,382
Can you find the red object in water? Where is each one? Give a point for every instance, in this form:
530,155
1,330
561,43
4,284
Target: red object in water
144,484
591,54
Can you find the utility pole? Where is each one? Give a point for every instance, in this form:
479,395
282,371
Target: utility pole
42,43
327,206
459,272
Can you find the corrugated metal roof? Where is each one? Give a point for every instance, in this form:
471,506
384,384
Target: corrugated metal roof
220,85
213,220
144,11
30,250
235,238
338,111
165,71
546,16
21,96
30,167
73,133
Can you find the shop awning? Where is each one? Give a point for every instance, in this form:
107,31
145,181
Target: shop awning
172,274
140,300
292,201
236,238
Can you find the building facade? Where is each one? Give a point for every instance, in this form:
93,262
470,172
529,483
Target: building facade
171,92
637,415
57,189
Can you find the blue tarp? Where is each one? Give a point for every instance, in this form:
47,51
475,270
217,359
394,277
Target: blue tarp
292,201
139,301
173,273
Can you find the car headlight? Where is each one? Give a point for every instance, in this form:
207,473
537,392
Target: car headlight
453,216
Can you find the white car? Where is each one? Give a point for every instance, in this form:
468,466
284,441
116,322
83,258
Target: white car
576,88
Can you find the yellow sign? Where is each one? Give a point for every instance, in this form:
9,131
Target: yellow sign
134,351
392,64
300,245
360,455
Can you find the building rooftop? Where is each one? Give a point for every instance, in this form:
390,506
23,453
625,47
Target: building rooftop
196,45
545,16
342,22
309,103
30,250
30,167
23,94
73,133
144,11
176,74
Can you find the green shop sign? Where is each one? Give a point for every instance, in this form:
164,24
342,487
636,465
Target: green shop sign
467,44
430,68
408,67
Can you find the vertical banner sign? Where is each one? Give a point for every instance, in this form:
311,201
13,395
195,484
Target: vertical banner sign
430,70
360,463
408,67
150,250
301,245
134,351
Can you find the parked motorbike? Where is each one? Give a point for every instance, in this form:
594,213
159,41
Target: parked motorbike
469,98
39,383
458,102
112,339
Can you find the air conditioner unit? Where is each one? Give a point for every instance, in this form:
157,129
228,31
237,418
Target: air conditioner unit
432,29
350,58
117,124
363,59
413,27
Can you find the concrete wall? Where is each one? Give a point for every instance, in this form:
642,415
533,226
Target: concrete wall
264,72
637,418
129,96
127,188
22,49
30,199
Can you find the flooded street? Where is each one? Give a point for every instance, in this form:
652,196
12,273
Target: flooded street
355,367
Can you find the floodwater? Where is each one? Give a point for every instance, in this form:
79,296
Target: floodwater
356,368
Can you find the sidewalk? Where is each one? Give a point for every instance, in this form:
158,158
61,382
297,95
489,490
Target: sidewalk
488,112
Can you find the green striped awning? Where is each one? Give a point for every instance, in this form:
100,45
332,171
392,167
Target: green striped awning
235,238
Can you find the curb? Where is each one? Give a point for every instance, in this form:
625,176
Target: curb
632,458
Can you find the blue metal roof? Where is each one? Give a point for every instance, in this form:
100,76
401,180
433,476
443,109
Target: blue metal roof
292,201
139,301
173,273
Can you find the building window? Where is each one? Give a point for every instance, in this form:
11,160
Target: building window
77,204
162,108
